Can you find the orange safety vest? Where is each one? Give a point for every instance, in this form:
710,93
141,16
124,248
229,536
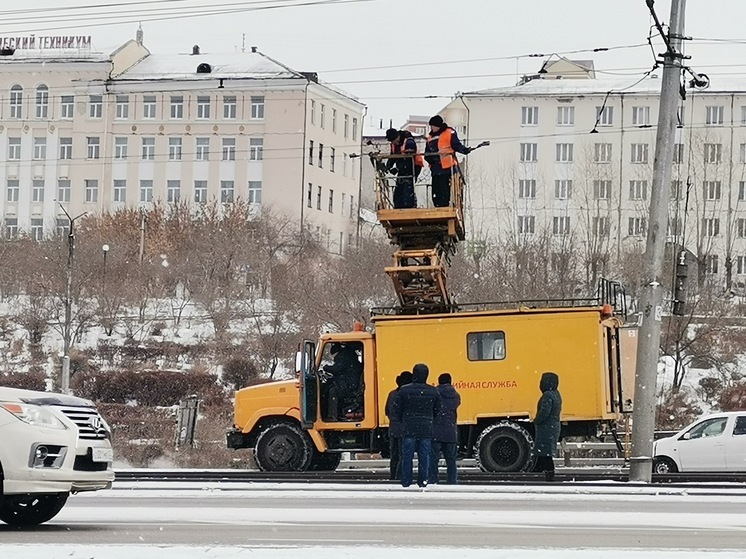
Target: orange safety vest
418,159
447,159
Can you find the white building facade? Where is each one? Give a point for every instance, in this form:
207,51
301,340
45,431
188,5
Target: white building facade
571,160
97,132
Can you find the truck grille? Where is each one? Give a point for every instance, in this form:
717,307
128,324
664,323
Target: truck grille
90,424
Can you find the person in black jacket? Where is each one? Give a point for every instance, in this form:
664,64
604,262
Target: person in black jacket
407,169
415,407
346,380
445,431
395,427
547,424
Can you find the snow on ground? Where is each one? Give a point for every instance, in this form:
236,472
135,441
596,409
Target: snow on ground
343,552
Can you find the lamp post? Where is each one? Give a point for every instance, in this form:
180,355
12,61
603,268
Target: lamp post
105,250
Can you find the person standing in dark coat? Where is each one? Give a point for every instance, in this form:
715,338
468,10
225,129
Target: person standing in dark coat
440,153
395,427
415,407
547,424
445,431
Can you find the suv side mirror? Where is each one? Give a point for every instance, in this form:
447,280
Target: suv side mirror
686,436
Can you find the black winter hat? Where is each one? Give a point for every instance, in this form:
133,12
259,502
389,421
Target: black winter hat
437,120
391,134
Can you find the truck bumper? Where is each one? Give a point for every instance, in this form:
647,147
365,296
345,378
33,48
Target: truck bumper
235,439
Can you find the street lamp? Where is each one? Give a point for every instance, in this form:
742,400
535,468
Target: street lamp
105,249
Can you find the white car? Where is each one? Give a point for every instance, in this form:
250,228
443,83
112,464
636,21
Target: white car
714,443
51,445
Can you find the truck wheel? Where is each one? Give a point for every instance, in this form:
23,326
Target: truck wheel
30,510
504,447
324,461
283,447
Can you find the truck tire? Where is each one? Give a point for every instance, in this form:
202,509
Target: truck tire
30,510
505,447
283,447
324,461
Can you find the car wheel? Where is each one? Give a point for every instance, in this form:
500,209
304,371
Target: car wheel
283,447
30,510
664,465
505,447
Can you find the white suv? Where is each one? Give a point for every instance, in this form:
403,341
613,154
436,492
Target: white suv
50,445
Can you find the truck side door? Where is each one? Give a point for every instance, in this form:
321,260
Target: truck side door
309,385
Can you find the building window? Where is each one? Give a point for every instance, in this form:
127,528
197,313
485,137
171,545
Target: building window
12,190
67,106
123,107
94,148
40,149
322,115
342,203
177,106
561,225
605,116
563,189
741,265
11,227
345,165
602,153
529,153
602,189
638,190
712,190
674,227
678,153
334,121
564,153
318,198
229,108
526,224
255,192
63,190
353,212
741,190
42,101
347,126
639,153
636,226
202,150
37,229
331,201
16,102
313,112
713,153
256,149
91,190
565,116
310,152
200,192
37,190
174,149
711,264
529,116
148,106
640,116
601,226
203,107
331,159
676,190
714,115
741,228
743,115
148,148
120,147
354,129
321,156
14,149
229,149
173,191
309,196
95,106
226,191
66,148
146,190
120,190
527,188
63,227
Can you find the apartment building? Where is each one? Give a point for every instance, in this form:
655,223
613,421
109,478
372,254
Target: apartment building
571,157
93,131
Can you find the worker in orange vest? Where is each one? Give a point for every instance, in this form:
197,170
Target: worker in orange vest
407,169
440,153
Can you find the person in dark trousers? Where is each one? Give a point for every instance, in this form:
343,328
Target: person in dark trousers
547,424
395,427
440,153
445,431
407,169
346,382
415,407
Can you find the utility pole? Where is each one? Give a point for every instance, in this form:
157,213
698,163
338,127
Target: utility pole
651,300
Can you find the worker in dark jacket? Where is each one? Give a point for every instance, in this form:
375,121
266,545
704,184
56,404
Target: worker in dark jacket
547,424
407,169
440,153
395,427
445,431
415,407
346,373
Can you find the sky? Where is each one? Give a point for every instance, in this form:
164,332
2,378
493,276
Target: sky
402,57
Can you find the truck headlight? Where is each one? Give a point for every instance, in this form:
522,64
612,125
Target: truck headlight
37,416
